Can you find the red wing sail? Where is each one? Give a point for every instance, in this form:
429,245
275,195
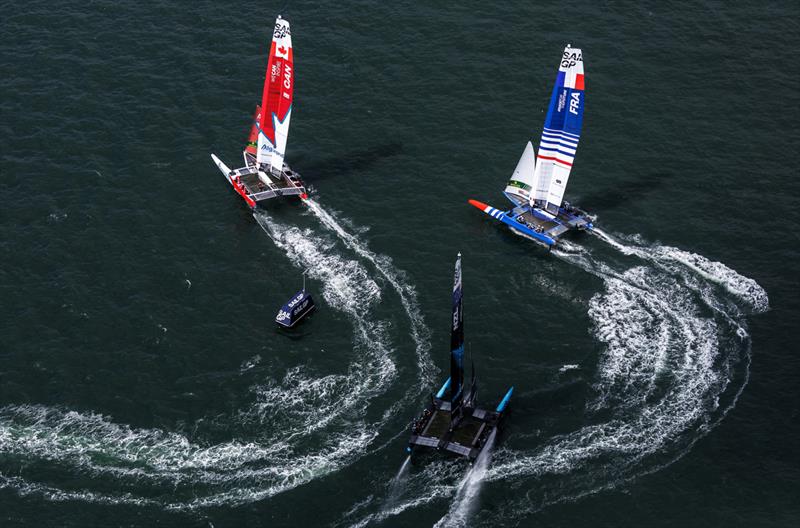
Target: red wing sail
252,140
276,101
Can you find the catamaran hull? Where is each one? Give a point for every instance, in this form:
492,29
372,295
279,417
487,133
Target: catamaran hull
237,186
469,439
570,219
252,199
522,229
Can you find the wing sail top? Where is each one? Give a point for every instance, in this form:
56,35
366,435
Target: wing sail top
276,101
562,129
520,186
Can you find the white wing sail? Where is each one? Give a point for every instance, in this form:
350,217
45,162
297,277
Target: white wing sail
520,187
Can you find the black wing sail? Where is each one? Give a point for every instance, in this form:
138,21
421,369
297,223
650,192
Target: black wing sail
457,348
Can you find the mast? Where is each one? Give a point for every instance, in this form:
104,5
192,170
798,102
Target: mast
562,129
276,101
456,349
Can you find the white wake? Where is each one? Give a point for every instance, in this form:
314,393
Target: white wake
675,359
325,412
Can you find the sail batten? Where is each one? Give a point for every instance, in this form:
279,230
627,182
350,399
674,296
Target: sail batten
276,101
561,133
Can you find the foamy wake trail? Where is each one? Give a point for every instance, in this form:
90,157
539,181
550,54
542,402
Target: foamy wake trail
168,464
673,344
437,480
347,287
406,292
321,430
465,502
675,360
744,288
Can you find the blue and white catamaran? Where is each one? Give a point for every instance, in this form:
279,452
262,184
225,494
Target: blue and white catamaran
537,186
452,421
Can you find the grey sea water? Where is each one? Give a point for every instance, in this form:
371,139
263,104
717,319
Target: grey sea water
142,382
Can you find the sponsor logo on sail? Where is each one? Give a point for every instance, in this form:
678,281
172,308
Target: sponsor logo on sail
570,58
287,77
281,31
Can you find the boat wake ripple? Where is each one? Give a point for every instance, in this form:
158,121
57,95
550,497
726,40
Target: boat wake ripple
675,360
406,292
322,424
465,501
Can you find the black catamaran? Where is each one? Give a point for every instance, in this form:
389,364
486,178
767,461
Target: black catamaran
456,424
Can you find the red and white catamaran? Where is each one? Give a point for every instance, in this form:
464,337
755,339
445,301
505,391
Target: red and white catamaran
265,175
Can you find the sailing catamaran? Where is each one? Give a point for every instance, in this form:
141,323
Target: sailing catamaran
456,424
536,187
265,175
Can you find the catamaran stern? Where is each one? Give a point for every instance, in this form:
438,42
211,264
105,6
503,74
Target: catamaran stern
255,186
434,429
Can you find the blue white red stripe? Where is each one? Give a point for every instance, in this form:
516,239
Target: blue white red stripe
488,209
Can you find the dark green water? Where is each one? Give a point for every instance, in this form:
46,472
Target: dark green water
142,382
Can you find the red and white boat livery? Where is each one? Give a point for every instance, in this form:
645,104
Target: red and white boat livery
265,175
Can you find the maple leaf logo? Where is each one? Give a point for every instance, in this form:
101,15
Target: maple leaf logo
282,50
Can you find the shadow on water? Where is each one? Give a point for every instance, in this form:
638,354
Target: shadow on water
353,161
292,333
624,192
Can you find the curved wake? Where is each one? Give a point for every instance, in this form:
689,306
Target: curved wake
407,294
151,466
676,358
